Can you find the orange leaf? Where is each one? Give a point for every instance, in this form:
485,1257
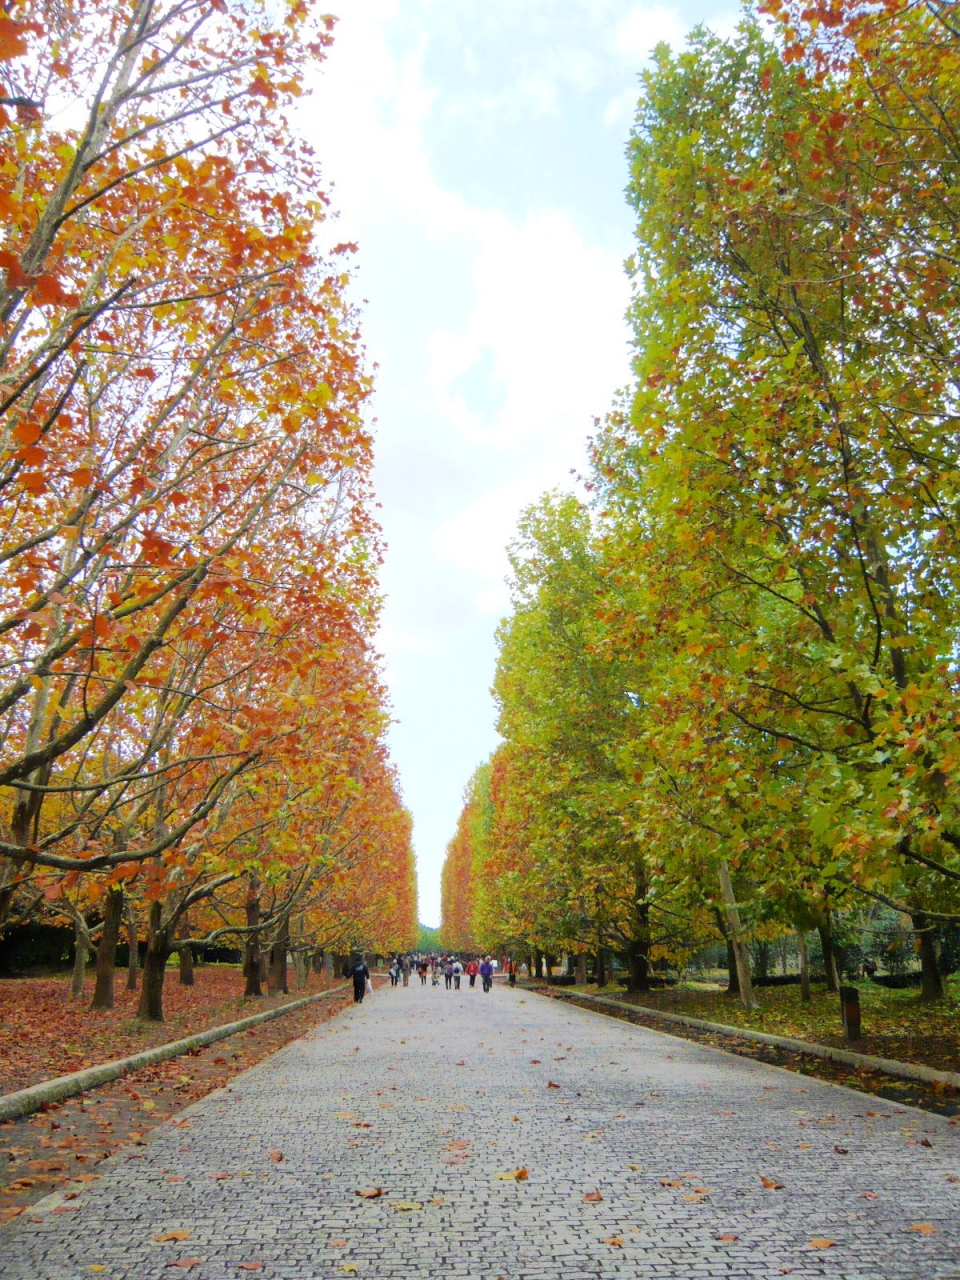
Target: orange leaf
372,1194
276,1156
26,433
923,1228
615,1241
769,1182
821,1242
593,1196
173,1235
250,1266
34,482
728,1239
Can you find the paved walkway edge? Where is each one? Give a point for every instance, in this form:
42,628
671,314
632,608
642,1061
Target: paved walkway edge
21,1103
889,1067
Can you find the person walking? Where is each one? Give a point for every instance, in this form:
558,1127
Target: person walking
511,972
472,970
486,973
457,974
405,970
422,971
447,972
360,974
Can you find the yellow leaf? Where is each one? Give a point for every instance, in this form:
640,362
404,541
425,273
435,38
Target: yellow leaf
923,1228
821,1242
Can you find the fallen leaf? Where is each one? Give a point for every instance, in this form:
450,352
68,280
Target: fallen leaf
925,1142
667,1182
186,1263
869,1195
821,1242
769,1182
406,1206
593,1196
350,1268
250,1266
371,1194
803,1146
551,1085
842,1151
338,1244
637,1168
728,1239
923,1228
694,1199
535,1062
516,1175
97,1266
362,1124
435,1200
173,1177
173,1235
346,1115
276,1156
615,1241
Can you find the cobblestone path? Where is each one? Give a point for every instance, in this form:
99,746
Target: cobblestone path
647,1157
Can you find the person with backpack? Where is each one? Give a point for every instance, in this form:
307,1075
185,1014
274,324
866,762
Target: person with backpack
447,972
457,974
486,973
472,970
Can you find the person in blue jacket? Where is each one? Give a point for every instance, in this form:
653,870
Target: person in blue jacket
486,973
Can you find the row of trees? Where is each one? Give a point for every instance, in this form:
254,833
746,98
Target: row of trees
728,687
191,713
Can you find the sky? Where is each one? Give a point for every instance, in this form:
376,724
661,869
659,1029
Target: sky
475,152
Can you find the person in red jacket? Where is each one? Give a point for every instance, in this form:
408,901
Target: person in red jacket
472,970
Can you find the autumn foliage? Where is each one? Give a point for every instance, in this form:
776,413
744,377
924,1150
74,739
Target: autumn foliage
191,712
729,683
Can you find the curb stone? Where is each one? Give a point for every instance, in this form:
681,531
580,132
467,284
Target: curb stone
25,1101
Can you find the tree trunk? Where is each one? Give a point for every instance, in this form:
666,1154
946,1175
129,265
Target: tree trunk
81,954
638,953
825,930
763,959
538,964
733,976
582,969
639,978
277,980
804,967
251,945
316,962
301,969
185,953
133,961
154,968
734,927
601,968
107,951
931,979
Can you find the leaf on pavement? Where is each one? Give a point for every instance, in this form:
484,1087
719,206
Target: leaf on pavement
842,1151
821,1242
370,1193
670,1182
406,1206
275,1155
593,1196
923,1228
615,1241
186,1263
771,1183
515,1175
728,1239
179,1234
637,1168
349,1268
250,1266
551,1085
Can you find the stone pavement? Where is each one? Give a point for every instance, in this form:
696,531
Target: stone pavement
432,1094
